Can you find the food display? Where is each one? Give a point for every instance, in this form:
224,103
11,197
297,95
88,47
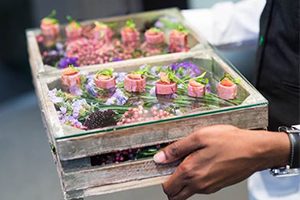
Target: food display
110,98
227,87
99,42
105,122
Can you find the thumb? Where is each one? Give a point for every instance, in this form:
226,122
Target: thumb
178,149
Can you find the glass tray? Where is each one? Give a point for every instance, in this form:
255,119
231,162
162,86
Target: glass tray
210,62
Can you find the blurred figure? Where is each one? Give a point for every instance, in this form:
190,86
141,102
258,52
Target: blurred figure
219,156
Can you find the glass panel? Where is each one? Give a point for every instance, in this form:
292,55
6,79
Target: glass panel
154,109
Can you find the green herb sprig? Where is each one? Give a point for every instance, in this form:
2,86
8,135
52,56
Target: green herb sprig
106,72
201,79
130,24
71,20
172,76
181,29
156,30
145,71
51,17
235,81
110,25
75,68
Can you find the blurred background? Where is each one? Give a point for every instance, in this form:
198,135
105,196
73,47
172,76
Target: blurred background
26,166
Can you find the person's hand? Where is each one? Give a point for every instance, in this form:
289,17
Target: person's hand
220,156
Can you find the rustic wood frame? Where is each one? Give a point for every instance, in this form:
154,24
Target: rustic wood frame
79,179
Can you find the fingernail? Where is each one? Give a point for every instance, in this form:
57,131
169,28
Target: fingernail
160,157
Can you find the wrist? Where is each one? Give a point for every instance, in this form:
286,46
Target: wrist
273,149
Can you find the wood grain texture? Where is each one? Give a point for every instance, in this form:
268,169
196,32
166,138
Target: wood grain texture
120,173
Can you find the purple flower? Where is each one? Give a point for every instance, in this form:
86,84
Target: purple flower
178,112
63,110
90,86
117,59
110,101
158,24
142,66
65,62
75,90
207,88
53,97
120,77
77,106
187,66
118,98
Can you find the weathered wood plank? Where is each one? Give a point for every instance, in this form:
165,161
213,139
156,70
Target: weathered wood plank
125,172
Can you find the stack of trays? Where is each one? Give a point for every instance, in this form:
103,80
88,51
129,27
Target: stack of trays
79,153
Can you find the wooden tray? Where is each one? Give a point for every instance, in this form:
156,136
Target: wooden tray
73,148
196,42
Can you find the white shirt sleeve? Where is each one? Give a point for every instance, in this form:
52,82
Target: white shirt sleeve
227,22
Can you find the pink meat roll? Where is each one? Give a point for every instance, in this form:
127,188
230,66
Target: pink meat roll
71,79
179,39
74,32
154,38
48,29
227,92
130,37
105,83
196,89
134,85
103,33
163,88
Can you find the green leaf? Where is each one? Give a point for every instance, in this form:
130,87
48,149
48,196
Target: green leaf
201,79
110,25
181,29
106,72
235,81
156,30
52,14
75,68
130,24
70,19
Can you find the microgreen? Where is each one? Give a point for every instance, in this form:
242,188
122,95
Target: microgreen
130,24
156,30
181,29
75,68
201,79
71,20
172,76
106,72
235,81
51,17
110,25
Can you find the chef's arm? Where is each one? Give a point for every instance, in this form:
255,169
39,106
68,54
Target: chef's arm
228,22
